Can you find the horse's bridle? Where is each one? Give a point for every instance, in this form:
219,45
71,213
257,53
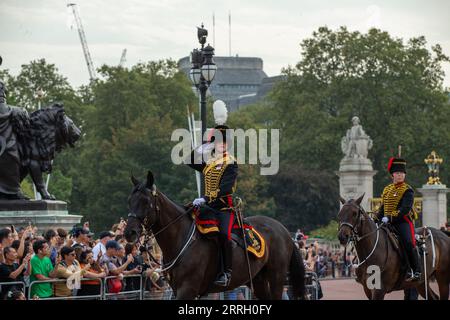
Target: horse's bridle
145,227
352,227
355,237
148,233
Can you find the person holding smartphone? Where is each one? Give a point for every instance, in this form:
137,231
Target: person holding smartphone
10,271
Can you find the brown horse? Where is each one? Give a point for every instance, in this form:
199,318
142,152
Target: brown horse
191,260
375,248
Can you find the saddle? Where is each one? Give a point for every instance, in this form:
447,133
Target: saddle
394,237
207,224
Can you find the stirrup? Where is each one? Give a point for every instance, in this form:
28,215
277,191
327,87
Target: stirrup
223,280
413,276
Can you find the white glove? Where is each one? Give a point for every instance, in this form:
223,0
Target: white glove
198,202
385,220
205,148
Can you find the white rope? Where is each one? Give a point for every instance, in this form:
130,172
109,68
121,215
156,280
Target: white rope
432,247
370,254
181,252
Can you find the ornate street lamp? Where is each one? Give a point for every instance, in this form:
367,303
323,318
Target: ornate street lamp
209,68
196,72
202,72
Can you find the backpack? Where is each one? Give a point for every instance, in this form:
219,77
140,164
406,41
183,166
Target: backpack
114,285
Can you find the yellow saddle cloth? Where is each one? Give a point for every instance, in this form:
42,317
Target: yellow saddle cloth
255,241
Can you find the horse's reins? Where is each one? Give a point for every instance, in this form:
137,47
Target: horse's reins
355,237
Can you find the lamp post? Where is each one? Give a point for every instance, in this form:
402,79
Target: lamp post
202,72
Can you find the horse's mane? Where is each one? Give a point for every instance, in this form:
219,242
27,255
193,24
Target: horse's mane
143,187
179,207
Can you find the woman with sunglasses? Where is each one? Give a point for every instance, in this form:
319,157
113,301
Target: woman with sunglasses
70,269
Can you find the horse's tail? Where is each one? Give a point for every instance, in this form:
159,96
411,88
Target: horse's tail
297,274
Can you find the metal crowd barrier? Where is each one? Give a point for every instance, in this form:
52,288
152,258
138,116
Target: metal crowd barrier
312,285
240,293
13,283
73,296
123,295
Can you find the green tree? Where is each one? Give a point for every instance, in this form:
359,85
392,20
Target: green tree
395,87
328,232
39,74
252,187
304,198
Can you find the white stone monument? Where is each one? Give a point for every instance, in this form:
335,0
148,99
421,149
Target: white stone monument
434,193
355,170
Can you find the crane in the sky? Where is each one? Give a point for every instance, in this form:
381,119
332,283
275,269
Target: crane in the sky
123,58
87,55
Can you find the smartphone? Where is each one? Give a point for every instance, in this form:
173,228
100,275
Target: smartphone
12,229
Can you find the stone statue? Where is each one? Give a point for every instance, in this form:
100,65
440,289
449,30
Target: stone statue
356,143
13,124
28,144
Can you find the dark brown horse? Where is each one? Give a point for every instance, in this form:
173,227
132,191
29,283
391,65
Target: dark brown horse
192,260
375,248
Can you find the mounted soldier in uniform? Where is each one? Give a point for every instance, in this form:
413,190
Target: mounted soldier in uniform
220,174
397,209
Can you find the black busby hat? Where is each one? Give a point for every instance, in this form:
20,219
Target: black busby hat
396,165
220,131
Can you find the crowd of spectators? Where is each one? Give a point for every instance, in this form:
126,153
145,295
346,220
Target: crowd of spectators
329,261
324,259
77,257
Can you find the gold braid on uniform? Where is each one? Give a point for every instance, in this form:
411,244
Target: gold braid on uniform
392,194
213,176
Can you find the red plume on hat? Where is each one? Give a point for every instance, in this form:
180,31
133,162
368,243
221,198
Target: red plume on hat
396,165
390,164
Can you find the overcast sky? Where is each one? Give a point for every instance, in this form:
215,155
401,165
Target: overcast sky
158,29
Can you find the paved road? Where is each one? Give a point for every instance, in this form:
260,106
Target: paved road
349,289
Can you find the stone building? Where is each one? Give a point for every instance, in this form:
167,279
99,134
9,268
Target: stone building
239,81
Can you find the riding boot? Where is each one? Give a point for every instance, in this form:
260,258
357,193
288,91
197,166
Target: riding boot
416,265
413,257
227,253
